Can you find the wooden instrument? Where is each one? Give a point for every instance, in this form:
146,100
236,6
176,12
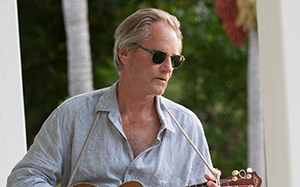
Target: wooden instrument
126,184
240,178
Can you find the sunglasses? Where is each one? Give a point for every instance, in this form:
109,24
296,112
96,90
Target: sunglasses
159,57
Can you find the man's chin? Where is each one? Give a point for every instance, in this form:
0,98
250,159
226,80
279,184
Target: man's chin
160,92
159,89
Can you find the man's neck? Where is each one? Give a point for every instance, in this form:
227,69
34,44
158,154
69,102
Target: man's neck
139,118
130,101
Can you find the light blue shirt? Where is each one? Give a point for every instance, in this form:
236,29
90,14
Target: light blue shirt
108,160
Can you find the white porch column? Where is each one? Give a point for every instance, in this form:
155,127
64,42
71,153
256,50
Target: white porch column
279,45
12,125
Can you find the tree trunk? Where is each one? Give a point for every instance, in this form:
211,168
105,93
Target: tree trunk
80,77
255,119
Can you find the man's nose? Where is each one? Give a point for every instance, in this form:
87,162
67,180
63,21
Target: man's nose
167,65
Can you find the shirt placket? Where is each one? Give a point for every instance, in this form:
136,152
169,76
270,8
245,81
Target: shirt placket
133,173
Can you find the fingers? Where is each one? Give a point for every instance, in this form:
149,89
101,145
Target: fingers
211,184
210,179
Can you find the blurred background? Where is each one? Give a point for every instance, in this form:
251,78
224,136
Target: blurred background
213,81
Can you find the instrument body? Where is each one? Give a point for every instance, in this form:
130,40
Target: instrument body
126,184
238,179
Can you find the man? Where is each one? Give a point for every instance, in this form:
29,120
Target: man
124,132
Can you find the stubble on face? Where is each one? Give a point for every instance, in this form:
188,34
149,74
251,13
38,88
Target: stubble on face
164,38
145,76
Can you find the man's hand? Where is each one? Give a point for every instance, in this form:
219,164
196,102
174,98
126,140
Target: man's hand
210,179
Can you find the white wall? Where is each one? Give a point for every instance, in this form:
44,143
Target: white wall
279,43
12,125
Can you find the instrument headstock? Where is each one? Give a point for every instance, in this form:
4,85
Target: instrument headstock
241,178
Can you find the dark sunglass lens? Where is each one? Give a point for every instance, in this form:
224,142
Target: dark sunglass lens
176,60
159,57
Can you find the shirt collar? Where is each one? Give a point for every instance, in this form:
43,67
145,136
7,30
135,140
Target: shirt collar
108,102
163,115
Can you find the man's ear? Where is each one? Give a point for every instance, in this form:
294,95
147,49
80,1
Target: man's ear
124,55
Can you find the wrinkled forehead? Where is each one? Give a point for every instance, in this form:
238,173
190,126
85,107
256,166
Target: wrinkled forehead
164,36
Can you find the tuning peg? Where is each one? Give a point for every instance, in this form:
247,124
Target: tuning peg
234,178
235,172
249,170
248,176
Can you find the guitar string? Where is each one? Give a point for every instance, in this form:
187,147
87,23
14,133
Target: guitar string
215,172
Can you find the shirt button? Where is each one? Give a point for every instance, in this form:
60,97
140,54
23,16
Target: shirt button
130,172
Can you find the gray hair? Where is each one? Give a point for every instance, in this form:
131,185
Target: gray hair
136,28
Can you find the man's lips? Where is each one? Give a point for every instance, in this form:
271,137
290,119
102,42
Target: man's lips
162,79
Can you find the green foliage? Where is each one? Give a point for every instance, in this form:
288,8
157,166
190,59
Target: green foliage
43,55
212,81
